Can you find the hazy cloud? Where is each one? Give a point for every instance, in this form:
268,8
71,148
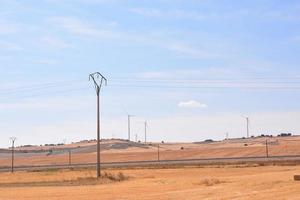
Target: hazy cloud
191,104
81,28
86,30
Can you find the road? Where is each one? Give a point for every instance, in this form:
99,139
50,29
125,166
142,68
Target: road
208,161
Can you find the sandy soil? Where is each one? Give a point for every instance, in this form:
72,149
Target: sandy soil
234,182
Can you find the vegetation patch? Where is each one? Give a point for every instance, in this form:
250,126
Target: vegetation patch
210,182
114,177
80,181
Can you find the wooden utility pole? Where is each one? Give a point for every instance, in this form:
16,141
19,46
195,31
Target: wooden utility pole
13,139
98,80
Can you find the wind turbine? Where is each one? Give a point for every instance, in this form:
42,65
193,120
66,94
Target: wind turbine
146,126
248,121
128,118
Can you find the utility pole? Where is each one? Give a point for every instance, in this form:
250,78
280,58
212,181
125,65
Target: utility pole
129,116
145,131
267,149
13,139
98,80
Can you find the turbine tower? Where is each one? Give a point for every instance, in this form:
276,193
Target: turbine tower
248,121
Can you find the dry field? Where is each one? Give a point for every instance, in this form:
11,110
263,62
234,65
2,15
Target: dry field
119,151
215,182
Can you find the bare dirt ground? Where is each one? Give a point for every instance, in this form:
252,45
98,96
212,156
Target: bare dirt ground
214,182
120,151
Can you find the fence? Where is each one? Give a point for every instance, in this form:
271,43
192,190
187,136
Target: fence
133,152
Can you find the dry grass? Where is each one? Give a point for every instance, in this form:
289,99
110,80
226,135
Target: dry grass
83,178
210,182
114,177
255,182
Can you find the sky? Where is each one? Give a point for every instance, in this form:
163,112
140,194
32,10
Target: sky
193,69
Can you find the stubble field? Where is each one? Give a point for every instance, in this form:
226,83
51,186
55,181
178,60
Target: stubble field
193,183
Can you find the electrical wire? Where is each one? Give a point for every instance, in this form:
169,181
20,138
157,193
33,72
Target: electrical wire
49,88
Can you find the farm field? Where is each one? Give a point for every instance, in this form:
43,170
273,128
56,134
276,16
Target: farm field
214,182
123,151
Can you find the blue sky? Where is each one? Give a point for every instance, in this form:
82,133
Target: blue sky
191,68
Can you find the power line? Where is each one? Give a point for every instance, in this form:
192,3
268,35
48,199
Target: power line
47,93
205,87
39,89
40,85
151,81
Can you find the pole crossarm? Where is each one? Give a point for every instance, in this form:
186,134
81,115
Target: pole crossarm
98,80
13,139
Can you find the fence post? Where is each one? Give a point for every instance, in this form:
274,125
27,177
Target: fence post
158,159
70,161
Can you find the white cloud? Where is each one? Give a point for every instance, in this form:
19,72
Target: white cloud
191,104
